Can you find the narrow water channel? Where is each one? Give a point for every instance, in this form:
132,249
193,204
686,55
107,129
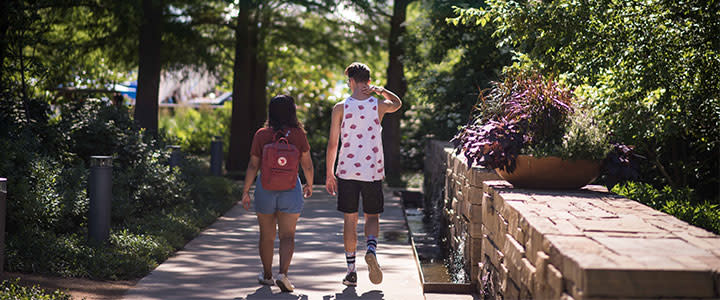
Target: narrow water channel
430,234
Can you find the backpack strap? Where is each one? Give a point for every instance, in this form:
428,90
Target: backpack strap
283,137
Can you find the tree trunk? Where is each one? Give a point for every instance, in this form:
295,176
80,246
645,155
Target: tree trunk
259,79
241,125
260,93
397,84
149,66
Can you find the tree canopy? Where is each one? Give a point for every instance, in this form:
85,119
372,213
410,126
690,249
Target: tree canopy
650,67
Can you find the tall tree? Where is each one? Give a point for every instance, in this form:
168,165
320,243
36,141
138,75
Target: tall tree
264,27
395,82
149,65
241,124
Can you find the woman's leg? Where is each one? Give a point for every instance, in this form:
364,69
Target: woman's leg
286,225
267,241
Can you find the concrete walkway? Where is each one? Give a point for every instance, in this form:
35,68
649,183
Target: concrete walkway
223,261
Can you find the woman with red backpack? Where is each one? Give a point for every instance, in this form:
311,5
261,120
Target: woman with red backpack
276,150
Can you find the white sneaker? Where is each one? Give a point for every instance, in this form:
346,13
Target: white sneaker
263,281
284,283
376,275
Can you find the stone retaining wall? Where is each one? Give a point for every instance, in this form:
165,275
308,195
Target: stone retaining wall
582,244
459,190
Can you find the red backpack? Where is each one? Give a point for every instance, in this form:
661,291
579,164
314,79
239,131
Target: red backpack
279,164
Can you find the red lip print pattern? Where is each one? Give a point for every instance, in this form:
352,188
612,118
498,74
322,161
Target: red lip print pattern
345,135
372,100
380,170
342,162
343,171
360,146
359,136
370,128
380,161
377,121
372,137
368,157
350,155
346,145
353,126
362,117
348,116
357,165
374,107
361,107
357,174
372,165
375,149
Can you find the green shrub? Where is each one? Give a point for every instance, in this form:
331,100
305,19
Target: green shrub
137,244
681,203
11,290
155,210
196,128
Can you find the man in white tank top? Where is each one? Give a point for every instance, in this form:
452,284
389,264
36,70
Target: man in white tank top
360,164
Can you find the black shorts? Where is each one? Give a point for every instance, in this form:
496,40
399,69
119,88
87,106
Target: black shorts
349,192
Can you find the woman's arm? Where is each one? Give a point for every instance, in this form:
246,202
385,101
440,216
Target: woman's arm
307,166
252,169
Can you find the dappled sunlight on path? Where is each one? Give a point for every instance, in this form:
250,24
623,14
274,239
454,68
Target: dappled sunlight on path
223,262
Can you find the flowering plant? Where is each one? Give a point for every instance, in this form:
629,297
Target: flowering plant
530,114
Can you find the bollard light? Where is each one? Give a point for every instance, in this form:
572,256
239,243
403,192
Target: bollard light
175,156
216,156
3,206
100,192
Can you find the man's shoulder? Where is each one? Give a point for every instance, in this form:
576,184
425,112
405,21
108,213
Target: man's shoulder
339,106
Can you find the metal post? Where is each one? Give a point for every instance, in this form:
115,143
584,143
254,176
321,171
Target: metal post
216,156
100,191
175,156
3,206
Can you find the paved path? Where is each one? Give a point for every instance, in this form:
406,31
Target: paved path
223,262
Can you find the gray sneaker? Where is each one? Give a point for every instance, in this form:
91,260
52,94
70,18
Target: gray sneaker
263,281
283,282
350,279
376,275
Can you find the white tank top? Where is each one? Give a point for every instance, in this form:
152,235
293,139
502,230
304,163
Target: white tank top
361,149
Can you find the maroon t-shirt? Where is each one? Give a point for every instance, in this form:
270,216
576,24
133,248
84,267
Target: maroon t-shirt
266,135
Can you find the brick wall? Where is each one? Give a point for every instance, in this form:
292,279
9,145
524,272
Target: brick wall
582,244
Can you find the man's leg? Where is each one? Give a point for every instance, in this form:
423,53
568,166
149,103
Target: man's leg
348,202
373,203
350,237
350,240
372,230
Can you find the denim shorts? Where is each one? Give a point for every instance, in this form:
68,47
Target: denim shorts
268,202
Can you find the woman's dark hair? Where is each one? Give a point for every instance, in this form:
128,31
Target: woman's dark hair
282,113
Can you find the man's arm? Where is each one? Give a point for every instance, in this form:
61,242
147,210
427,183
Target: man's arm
391,103
332,147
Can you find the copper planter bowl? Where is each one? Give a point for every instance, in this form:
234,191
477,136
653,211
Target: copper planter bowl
551,173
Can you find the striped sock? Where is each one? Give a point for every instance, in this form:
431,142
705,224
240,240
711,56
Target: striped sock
371,244
350,259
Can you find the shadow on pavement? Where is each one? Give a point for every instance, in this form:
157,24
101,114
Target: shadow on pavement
266,293
350,293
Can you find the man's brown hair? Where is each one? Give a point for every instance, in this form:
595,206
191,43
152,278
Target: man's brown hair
358,71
